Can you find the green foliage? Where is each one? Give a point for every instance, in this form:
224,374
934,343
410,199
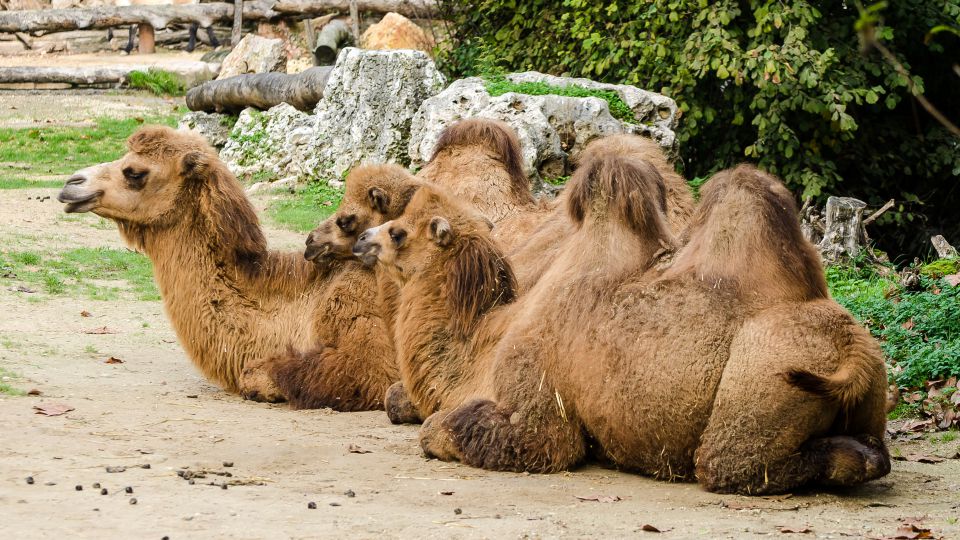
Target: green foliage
95,273
919,331
939,268
557,180
695,185
498,85
26,154
157,81
306,208
782,84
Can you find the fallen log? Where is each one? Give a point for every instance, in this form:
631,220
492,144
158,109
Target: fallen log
59,20
331,38
92,75
260,90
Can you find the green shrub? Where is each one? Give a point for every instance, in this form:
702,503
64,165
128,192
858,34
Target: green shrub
919,331
498,85
157,81
782,84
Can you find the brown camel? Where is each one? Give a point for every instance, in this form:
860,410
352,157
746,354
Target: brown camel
658,369
232,302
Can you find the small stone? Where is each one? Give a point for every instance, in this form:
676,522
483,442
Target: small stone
116,469
128,489
312,505
30,480
78,487
350,493
228,464
103,491
457,511
133,500
145,466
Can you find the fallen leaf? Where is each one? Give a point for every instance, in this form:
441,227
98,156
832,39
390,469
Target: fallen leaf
113,360
100,330
796,530
910,531
85,313
53,409
599,498
33,392
649,528
917,458
952,279
907,325
446,493
354,449
23,289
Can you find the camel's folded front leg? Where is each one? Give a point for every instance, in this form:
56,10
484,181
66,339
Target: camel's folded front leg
400,409
256,384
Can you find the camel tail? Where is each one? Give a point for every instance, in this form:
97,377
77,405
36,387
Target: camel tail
861,370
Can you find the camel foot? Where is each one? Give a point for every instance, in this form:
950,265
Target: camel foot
400,410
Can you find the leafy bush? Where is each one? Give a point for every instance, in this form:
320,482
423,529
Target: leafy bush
783,84
498,85
919,331
158,81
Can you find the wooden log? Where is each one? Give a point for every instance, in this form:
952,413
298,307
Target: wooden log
330,40
237,31
147,37
260,90
58,20
69,75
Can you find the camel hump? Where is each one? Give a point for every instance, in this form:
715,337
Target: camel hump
497,138
861,366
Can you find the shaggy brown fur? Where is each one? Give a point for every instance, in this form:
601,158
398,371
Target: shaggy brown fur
659,370
232,302
373,195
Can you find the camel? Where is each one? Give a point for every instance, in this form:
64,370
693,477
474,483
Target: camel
652,365
232,302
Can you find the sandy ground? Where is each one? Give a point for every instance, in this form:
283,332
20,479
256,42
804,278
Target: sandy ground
155,410
76,108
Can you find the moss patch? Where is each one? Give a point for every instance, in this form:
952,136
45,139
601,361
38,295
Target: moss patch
499,85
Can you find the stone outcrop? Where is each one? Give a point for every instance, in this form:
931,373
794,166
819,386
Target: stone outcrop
215,127
395,31
269,145
254,54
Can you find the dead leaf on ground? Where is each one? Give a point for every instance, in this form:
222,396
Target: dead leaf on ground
796,530
113,360
908,325
22,288
917,458
650,528
52,409
910,531
599,498
100,330
354,449
85,313
952,279
33,392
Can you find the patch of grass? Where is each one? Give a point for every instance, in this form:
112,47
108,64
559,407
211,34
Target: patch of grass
945,437
557,180
497,85
157,81
29,153
919,331
88,272
5,387
306,208
939,268
90,349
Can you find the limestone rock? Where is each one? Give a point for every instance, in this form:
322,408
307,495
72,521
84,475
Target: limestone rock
395,31
843,235
944,249
254,54
215,127
367,108
266,145
552,129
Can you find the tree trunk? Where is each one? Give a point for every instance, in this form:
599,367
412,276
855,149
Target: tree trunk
843,234
331,38
237,31
59,20
944,249
260,90
147,37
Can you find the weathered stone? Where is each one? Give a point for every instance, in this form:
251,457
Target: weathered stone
394,31
944,249
367,108
552,129
843,234
263,145
215,127
254,54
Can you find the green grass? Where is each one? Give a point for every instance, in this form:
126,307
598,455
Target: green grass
945,437
92,273
157,81
305,209
497,85
5,387
919,331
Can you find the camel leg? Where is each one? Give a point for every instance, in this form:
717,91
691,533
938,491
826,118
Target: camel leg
256,384
400,410
214,42
766,436
192,42
130,39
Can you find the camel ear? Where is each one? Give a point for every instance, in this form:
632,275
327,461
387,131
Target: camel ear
440,231
379,200
194,165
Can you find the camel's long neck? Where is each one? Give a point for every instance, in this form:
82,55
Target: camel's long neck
224,314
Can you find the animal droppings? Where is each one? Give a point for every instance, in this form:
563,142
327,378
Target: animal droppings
228,464
103,491
334,504
30,480
128,489
350,493
78,487
312,505
96,485
457,511
133,500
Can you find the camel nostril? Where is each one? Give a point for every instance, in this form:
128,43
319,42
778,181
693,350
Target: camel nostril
363,236
76,180
309,239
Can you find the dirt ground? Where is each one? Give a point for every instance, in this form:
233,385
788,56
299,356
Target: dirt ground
366,477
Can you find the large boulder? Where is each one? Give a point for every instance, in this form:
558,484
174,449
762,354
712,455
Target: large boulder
254,54
368,107
394,31
267,145
552,129
215,127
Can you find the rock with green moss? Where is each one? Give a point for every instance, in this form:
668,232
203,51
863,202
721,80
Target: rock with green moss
269,144
215,127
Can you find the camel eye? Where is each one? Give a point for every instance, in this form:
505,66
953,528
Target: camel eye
347,224
135,179
398,236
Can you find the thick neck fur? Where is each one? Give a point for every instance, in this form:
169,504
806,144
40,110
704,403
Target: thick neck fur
229,298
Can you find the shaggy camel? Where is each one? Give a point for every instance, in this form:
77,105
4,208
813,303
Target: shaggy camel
656,368
232,302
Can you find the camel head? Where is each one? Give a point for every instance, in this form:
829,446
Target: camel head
449,247
147,183
374,194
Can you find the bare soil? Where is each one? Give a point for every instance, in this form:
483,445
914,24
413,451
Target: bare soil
366,477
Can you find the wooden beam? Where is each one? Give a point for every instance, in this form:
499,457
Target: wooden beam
237,32
147,38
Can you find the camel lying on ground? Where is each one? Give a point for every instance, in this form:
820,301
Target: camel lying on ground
232,302
732,366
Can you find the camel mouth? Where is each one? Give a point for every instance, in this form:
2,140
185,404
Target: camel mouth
77,204
315,252
367,254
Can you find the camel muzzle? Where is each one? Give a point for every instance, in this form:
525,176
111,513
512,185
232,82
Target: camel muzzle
365,249
76,197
